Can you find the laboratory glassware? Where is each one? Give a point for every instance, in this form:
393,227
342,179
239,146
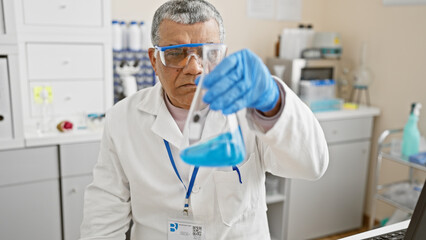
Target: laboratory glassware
219,148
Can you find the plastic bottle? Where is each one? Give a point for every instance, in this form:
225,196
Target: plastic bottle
124,37
116,36
145,36
411,134
134,37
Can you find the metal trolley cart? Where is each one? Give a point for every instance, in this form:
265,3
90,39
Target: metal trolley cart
379,191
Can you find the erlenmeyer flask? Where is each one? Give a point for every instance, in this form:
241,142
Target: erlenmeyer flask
219,148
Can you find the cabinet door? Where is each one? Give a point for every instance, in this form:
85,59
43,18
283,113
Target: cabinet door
5,106
335,202
30,211
72,204
78,158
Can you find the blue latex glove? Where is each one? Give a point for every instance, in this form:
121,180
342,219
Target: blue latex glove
241,80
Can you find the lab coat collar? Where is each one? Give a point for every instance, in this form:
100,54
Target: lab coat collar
164,125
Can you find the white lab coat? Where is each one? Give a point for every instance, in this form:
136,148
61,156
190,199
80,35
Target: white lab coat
134,178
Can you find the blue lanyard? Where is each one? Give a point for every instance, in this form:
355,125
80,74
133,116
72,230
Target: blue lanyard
194,175
191,182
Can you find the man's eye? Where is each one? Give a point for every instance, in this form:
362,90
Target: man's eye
174,53
213,56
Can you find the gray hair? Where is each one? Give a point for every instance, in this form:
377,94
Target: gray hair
185,12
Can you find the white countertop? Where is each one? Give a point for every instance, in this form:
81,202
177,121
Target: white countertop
362,111
33,139
53,138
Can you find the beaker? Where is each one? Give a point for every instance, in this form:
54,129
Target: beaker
221,147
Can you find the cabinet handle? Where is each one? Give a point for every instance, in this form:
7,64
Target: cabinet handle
65,62
1,117
62,6
334,132
73,190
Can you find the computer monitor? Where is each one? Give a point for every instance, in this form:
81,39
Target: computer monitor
417,228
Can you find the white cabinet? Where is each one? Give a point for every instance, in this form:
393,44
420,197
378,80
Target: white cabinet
63,47
11,132
2,28
73,203
77,162
6,132
29,194
335,202
7,23
277,207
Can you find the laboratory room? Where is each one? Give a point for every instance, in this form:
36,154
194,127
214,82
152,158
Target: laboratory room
212,119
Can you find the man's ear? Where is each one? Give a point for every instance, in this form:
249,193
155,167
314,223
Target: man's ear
152,58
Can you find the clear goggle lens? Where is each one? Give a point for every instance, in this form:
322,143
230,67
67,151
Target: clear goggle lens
178,56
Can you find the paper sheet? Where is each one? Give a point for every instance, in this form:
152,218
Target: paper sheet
288,10
264,9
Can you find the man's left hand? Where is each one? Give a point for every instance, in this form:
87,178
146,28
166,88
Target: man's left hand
240,80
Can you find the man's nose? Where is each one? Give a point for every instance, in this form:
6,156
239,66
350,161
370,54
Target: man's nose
193,65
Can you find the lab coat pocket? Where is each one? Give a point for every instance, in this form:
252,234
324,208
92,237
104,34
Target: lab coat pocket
236,199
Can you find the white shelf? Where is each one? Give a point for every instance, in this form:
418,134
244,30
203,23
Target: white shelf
270,199
402,161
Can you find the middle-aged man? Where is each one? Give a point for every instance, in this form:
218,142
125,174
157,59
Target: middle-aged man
139,175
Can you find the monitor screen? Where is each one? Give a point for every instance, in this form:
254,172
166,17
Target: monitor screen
417,228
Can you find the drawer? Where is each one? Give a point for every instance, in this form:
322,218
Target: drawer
28,165
70,97
78,159
64,61
347,129
63,13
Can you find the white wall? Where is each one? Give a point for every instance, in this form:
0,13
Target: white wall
396,38
241,32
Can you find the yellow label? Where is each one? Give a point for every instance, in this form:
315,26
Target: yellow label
43,94
336,41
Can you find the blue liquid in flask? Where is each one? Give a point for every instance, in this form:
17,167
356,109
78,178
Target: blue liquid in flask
224,150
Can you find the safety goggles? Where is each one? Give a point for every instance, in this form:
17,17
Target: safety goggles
178,56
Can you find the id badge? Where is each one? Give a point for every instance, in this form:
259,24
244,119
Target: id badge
184,228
